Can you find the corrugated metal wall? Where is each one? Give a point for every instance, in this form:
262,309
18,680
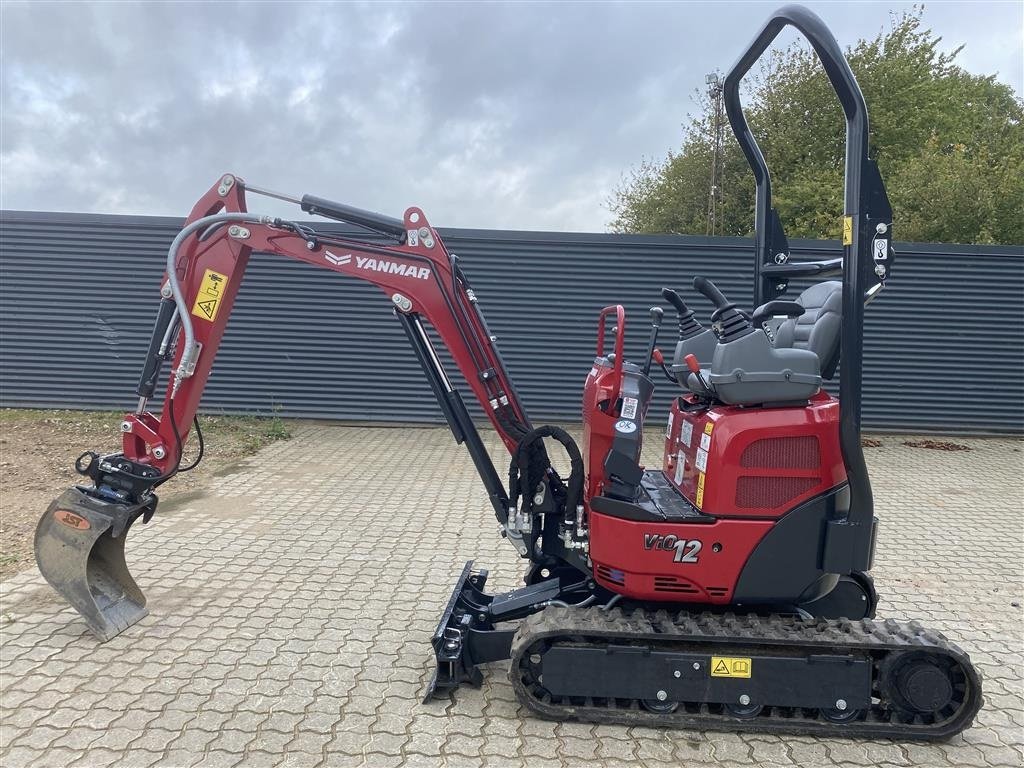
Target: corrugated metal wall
944,342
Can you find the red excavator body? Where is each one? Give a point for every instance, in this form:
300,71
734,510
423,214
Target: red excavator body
744,468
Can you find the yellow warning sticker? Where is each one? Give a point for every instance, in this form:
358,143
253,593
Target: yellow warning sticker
729,666
211,293
708,427
847,230
700,490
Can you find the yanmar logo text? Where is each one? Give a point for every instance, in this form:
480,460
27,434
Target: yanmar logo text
379,265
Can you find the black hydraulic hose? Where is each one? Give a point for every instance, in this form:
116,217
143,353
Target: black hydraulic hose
512,426
202,447
519,480
462,320
179,447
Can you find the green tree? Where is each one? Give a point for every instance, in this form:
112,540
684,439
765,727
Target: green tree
950,145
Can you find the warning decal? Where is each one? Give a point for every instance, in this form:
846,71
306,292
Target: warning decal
686,435
700,490
701,460
729,666
847,230
708,427
211,292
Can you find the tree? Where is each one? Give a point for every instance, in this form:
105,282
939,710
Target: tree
950,145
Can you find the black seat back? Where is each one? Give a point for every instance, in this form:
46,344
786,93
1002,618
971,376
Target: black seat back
818,328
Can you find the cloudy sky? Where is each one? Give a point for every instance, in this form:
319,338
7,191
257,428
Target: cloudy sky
521,116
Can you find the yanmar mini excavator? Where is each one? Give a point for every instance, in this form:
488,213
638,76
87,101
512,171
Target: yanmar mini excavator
726,589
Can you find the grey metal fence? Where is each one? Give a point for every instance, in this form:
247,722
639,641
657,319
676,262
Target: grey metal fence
944,343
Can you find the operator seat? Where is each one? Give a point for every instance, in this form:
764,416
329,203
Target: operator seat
751,370
817,329
750,367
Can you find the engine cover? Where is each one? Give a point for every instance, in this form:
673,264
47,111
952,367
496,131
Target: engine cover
734,461
745,470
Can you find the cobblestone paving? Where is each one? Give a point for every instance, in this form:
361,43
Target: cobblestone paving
291,610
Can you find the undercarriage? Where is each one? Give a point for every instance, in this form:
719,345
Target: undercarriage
644,665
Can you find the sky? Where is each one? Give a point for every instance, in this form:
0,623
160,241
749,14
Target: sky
486,115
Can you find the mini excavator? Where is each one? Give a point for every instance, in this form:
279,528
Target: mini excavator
727,589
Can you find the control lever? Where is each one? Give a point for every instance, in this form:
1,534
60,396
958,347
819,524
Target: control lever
727,321
657,313
659,358
694,366
711,292
689,325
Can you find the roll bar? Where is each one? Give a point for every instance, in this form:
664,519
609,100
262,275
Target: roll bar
867,233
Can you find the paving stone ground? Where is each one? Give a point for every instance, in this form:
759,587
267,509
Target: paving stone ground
291,607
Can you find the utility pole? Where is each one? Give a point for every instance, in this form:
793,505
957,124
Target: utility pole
716,212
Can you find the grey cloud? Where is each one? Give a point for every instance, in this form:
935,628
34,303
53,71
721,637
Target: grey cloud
487,115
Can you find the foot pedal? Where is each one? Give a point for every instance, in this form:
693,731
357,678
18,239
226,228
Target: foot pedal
79,548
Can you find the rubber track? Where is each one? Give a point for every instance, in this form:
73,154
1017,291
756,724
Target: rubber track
718,632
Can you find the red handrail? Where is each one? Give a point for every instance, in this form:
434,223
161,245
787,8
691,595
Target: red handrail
620,335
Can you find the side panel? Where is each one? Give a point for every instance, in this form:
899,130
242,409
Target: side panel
677,562
755,462
787,563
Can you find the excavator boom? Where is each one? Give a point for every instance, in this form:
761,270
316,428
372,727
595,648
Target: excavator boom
79,542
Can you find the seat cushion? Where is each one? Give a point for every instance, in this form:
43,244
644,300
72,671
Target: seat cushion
818,328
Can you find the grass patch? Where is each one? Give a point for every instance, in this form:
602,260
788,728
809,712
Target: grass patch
61,417
252,432
233,437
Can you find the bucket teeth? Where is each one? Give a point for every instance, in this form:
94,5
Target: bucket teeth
79,548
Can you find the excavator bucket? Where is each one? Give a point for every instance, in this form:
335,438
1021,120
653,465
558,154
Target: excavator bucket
79,546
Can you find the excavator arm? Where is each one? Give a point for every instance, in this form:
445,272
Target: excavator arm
80,540
410,265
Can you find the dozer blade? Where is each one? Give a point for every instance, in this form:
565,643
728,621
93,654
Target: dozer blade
79,546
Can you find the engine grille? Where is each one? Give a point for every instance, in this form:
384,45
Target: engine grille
782,453
771,492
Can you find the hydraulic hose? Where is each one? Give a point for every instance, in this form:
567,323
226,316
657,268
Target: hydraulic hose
175,285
